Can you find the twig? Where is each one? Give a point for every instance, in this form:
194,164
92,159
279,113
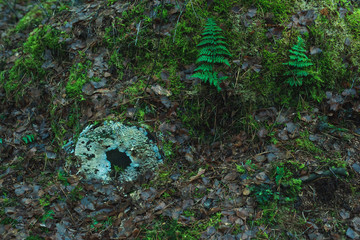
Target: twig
194,9
314,176
178,21
137,33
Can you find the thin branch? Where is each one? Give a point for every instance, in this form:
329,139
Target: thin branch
137,34
178,21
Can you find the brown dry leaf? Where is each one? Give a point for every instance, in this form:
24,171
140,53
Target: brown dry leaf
231,176
200,172
159,90
246,192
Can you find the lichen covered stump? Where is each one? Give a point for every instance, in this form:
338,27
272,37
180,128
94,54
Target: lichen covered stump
114,145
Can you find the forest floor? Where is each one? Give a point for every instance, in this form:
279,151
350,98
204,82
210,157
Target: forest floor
288,174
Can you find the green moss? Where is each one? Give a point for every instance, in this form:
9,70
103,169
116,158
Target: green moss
34,17
31,19
191,116
116,60
42,38
304,143
354,22
136,88
281,9
335,162
170,229
252,89
330,37
223,7
169,150
28,67
176,85
76,194
77,78
182,46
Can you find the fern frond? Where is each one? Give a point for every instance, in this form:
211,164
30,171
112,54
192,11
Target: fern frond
212,53
205,68
214,37
221,59
295,81
298,64
301,73
223,48
211,32
205,76
298,49
206,51
206,42
210,42
298,53
289,73
205,58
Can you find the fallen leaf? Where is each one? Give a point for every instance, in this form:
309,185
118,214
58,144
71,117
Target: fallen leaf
200,172
246,192
159,90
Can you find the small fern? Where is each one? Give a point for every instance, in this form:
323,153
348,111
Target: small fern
298,64
213,53
28,138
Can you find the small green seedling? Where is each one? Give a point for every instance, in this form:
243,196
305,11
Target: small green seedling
62,177
47,215
240,169
28,138
118,169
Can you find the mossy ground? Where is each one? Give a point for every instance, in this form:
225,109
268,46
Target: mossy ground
137,45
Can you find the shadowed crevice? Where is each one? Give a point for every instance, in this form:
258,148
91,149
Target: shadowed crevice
117,158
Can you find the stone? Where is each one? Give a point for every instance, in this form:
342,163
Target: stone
356,167
115,146
356,223
352,234
260,158
291,127
344,214
283,135
271,157
281,119
313,138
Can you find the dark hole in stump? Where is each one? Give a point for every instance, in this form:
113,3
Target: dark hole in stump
117,158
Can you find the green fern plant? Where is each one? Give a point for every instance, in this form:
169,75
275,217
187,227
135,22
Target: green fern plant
298,64
212,55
